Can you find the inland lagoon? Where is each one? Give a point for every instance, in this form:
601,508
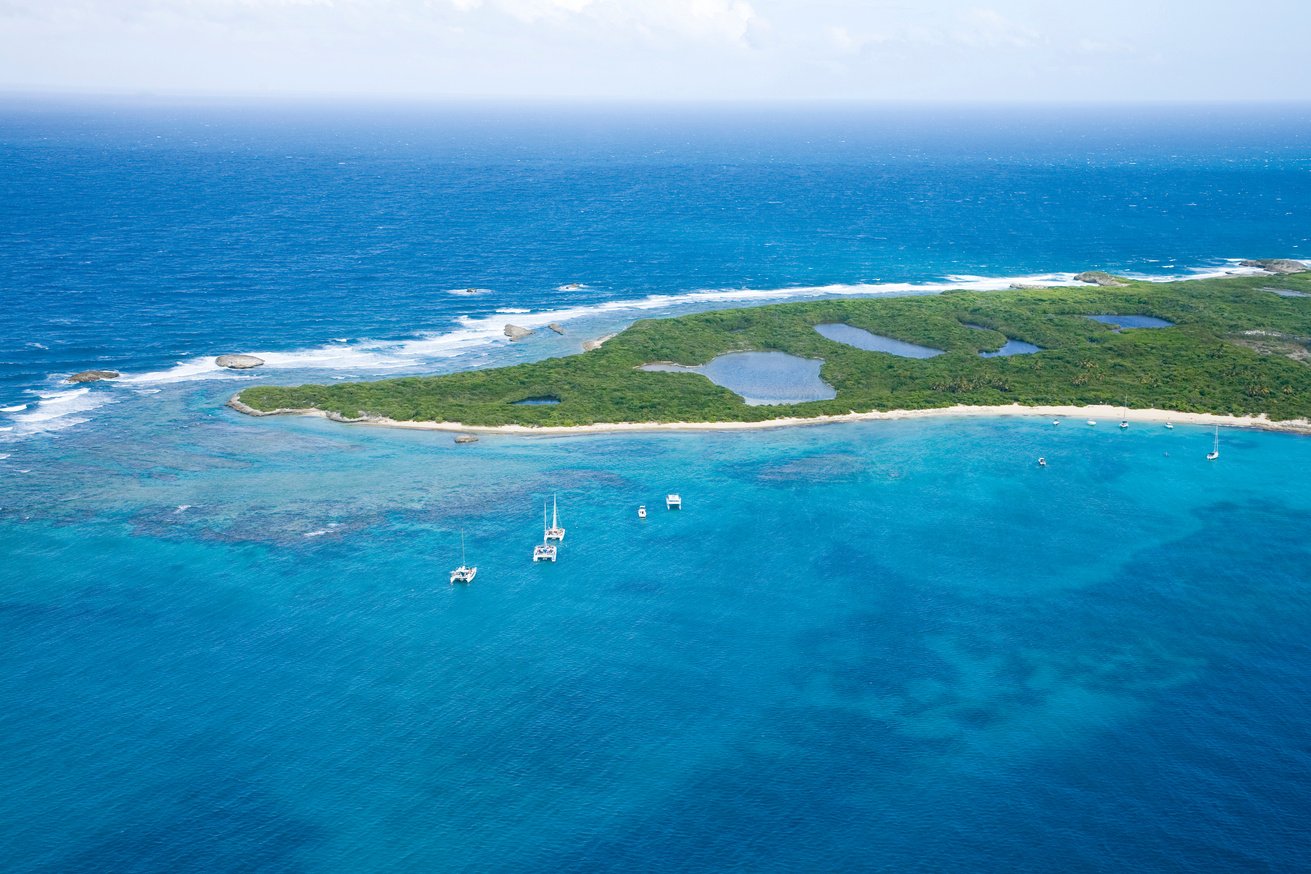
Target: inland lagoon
761,378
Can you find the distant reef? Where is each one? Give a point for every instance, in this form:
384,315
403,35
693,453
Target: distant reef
94,375
1100,277
1276,265
239,362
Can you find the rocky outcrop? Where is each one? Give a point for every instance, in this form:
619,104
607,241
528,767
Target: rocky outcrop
514,332
555,326
239,362
1276,265
465,438
236,403
1100,277
94,375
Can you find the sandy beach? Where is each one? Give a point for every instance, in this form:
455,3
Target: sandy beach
1103,415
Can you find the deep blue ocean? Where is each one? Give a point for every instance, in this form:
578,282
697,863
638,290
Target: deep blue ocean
229,644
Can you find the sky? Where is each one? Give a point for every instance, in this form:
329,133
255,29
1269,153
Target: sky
912,50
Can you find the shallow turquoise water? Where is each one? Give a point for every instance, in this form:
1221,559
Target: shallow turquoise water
875,645
229,644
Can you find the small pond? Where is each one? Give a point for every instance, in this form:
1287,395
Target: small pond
536,402
862,339
762,377
1012,347
1123,322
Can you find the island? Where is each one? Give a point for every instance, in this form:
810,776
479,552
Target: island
1231,349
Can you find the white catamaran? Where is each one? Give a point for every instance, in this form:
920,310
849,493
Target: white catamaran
463,573
1215,447
555,532
544,551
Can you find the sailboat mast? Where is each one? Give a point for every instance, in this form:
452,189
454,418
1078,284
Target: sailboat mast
463,561
555,520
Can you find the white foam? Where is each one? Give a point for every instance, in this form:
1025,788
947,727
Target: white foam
318,533
16,408
3,455
480,333
57,410
572,286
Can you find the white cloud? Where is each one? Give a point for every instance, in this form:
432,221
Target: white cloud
898,49
988,28
923,28
714,20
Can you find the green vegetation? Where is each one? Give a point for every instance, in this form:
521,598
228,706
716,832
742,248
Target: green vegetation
1237,348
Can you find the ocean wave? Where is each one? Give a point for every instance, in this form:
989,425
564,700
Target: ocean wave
469,292
16,408
57,410
572,286
482,333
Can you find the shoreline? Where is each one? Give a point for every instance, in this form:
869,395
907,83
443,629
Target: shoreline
1103,414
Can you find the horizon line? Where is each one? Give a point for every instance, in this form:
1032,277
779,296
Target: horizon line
28,94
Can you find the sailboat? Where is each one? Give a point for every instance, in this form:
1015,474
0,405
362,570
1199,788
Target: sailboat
463,573
544,551
555,532
1215,447
1124,417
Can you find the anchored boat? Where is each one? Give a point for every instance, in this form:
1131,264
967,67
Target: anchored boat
673,502
544,551
463,573
555,532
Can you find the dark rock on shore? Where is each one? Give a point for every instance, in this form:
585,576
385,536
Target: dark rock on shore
1276,265
555,326
514,332
1100,277
93,376
238,362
